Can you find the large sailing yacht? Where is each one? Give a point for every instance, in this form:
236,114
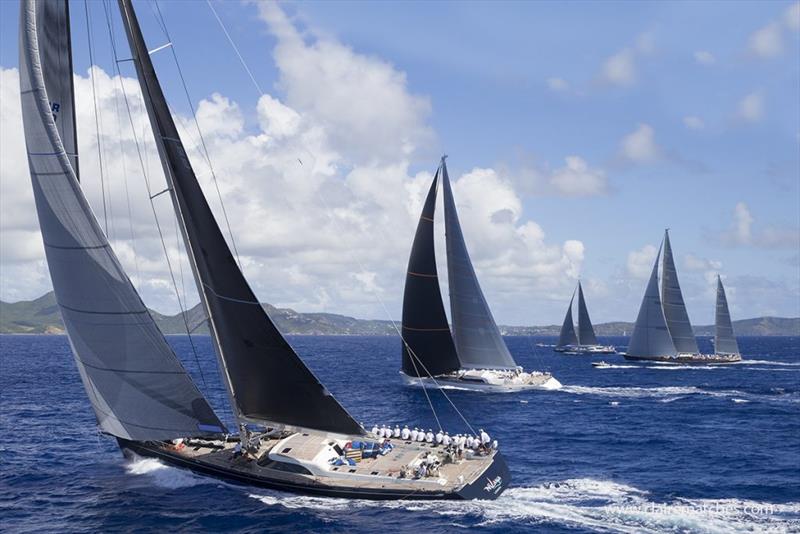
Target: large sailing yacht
662,331
473,355
293,434
583,341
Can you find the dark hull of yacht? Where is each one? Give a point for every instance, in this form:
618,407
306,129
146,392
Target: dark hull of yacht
487,486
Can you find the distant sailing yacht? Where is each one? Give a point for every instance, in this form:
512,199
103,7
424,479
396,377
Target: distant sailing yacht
293,434
584,342
473,355
662,331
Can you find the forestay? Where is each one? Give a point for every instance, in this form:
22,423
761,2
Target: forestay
136,385
266,379
674,308
650,334
427,343
724,338
477,338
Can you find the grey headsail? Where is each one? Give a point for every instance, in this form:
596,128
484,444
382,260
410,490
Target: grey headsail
266,380
427,343
724,338
136,384
567,335
650,334
585,330
477,338
674,308
55,47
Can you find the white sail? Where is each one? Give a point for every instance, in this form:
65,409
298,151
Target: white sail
136,384
724,338
650,335
477,338
674,308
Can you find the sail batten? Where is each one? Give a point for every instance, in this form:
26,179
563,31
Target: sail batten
427,342
650,335
680,328
585,330
473,324
724,337
135,383
265,378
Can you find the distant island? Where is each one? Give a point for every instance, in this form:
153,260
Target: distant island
41,316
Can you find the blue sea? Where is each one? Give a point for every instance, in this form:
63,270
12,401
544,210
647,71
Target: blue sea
632,448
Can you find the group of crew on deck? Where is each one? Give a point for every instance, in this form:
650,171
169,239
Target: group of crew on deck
479,444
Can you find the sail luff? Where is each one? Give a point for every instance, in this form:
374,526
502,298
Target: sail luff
137,386
585,330
650,335
478,341
674,307
268,381
427,342
567,335
724,337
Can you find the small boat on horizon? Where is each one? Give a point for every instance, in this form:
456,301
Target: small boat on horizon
584,340
663,332
473,355
293,434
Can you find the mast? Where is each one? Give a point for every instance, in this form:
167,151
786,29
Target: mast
650,335
137,386
724,337
427,343
567,335
478,341
674,308
266,380
585,330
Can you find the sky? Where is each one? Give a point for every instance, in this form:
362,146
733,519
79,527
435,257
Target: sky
576,133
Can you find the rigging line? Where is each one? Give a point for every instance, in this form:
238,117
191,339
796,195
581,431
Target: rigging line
96,121
380,300
152,204
123,158
235,48
200,134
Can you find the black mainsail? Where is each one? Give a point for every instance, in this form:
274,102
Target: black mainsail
135,383
567,335
266,379
674,307
724,338
478,341
585,330
427,343
650,335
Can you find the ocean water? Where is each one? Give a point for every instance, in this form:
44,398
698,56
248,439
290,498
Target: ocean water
633,448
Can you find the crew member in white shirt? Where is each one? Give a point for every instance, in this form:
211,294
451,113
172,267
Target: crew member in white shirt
406,433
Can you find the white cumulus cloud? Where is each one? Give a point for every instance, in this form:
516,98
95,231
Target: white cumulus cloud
577,179
640,262
751,107
640,145
704,57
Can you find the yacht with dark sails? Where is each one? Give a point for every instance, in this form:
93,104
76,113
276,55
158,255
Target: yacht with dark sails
293,435
663,332
473,355
582,341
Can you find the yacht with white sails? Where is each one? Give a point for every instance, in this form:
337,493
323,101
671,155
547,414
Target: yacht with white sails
663,332
473,355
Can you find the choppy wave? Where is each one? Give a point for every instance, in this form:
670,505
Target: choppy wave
671,393
165,476
765,362
582,503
